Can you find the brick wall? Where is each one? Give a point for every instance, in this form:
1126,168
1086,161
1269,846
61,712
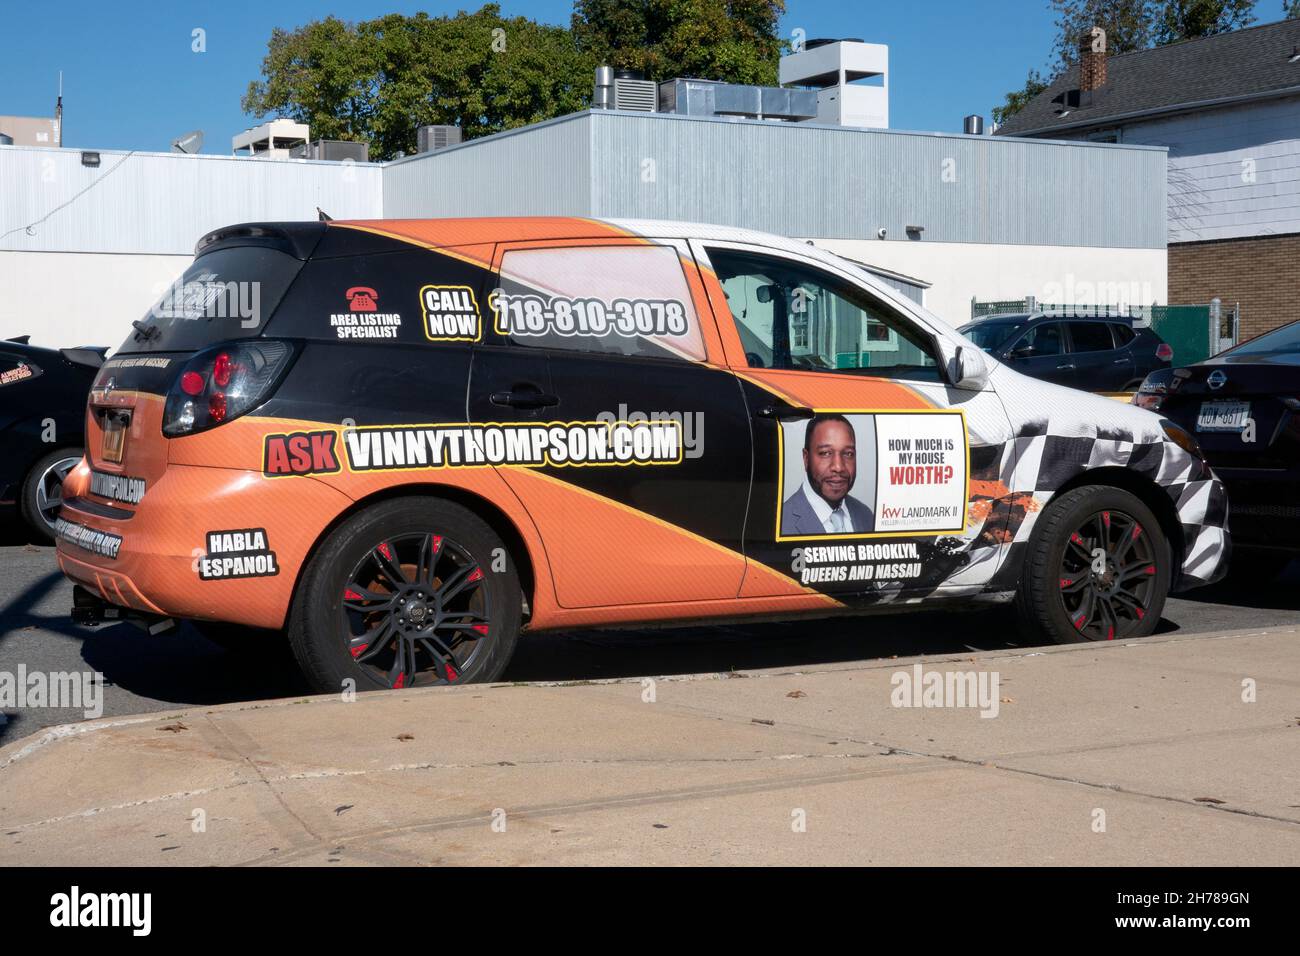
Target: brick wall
1262,273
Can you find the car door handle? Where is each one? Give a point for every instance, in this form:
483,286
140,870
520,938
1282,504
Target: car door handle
1066,366
1119,361
782,412
524,398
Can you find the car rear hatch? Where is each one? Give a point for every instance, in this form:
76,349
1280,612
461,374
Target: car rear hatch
226,296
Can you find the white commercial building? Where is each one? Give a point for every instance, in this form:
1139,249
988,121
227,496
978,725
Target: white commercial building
84,249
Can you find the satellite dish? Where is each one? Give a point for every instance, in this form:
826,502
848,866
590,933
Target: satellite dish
191,142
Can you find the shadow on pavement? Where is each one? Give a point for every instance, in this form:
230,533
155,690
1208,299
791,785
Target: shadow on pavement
1282,593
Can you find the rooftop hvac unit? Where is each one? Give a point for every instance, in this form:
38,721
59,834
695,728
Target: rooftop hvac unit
430,138
337,150
709,98
635,94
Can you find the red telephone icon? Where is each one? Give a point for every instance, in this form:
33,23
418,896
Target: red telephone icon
362,299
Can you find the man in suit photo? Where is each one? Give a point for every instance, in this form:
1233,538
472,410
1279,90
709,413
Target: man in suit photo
822,504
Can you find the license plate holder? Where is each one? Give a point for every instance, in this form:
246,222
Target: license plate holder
1220,416
113,444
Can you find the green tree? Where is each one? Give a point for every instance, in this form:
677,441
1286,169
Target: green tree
378,80
1129,26
731,40
1290,9
1017,99
1188,19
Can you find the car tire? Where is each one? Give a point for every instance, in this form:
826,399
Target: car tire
42,490
412,591
1070,593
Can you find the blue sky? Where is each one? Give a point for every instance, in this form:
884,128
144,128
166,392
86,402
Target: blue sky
131,80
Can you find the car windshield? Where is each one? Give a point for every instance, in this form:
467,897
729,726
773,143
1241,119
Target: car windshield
992,335
1285,339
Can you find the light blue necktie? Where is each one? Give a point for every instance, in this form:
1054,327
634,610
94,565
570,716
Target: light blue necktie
838,524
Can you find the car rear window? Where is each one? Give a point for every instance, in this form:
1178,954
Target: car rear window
1091,336
225,294
1285,339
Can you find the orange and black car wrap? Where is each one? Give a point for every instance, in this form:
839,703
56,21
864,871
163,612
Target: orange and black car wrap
395,387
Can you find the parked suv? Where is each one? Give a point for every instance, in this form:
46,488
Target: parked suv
1096,354
400,443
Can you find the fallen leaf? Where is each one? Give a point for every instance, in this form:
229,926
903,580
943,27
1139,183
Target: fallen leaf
175,728
765,723
339,811
1007,700
405,737
796,693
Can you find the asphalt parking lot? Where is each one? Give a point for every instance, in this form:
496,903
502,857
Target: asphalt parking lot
145,673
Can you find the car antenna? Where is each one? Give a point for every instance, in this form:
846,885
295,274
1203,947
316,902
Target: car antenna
324,216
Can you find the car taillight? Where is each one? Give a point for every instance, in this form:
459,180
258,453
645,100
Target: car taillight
1165,352
222,383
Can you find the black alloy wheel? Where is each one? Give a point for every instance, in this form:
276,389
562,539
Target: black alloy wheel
415,609
1108,576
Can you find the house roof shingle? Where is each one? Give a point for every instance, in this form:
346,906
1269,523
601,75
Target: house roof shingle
1255,61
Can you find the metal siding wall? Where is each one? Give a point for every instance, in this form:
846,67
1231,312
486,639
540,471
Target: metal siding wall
798,180
1210,153
794,180
543,171
161,203
914,292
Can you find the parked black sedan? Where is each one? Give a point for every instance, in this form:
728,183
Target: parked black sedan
1243,405
1093,353
42,424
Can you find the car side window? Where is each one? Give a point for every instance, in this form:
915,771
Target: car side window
1123,335
793,316
1090,337
1042,339
615,300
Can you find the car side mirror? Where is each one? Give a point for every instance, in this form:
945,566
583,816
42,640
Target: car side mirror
964,366
1023,352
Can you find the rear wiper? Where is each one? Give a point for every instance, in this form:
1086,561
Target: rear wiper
143,331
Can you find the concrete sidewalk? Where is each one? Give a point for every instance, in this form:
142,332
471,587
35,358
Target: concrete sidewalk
1150,739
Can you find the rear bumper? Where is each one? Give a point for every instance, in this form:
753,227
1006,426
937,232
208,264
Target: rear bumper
151,559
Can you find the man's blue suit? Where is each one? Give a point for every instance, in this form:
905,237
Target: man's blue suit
798,517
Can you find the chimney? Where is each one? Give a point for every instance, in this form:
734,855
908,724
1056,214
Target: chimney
1092,60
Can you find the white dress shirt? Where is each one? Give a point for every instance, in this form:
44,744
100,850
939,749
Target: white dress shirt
826,514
